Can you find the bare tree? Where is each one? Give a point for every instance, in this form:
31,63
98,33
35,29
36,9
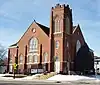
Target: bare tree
3,52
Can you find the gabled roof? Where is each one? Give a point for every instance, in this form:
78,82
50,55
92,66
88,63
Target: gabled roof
44,28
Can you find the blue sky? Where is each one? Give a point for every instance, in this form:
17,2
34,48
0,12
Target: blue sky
17,15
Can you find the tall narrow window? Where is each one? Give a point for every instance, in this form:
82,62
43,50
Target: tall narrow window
33,44
45,57
29,59
35,59
57,44
61,24
54,26
57,26
21,59
67,44
58,30
67,24
78,45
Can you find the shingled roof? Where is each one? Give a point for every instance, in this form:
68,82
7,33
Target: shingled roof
44,28
13,45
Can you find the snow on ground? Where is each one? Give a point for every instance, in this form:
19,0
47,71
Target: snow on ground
28,77
70,78
58,77
11,78
2,75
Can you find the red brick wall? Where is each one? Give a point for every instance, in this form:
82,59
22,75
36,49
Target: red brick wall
42,38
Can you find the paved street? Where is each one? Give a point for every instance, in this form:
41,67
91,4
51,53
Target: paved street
16,82
27,83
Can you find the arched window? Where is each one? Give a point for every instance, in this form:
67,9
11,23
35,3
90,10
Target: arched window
21,59
78,45
45,57
33,44
35,59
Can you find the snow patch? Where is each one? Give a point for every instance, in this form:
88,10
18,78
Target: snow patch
69,78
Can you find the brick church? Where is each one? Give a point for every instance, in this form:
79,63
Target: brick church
59,48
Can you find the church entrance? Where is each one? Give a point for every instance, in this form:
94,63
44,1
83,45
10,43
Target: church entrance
57,65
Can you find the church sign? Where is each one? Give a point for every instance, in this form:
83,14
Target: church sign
36,70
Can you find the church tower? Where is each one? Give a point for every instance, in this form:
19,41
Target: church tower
60,27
